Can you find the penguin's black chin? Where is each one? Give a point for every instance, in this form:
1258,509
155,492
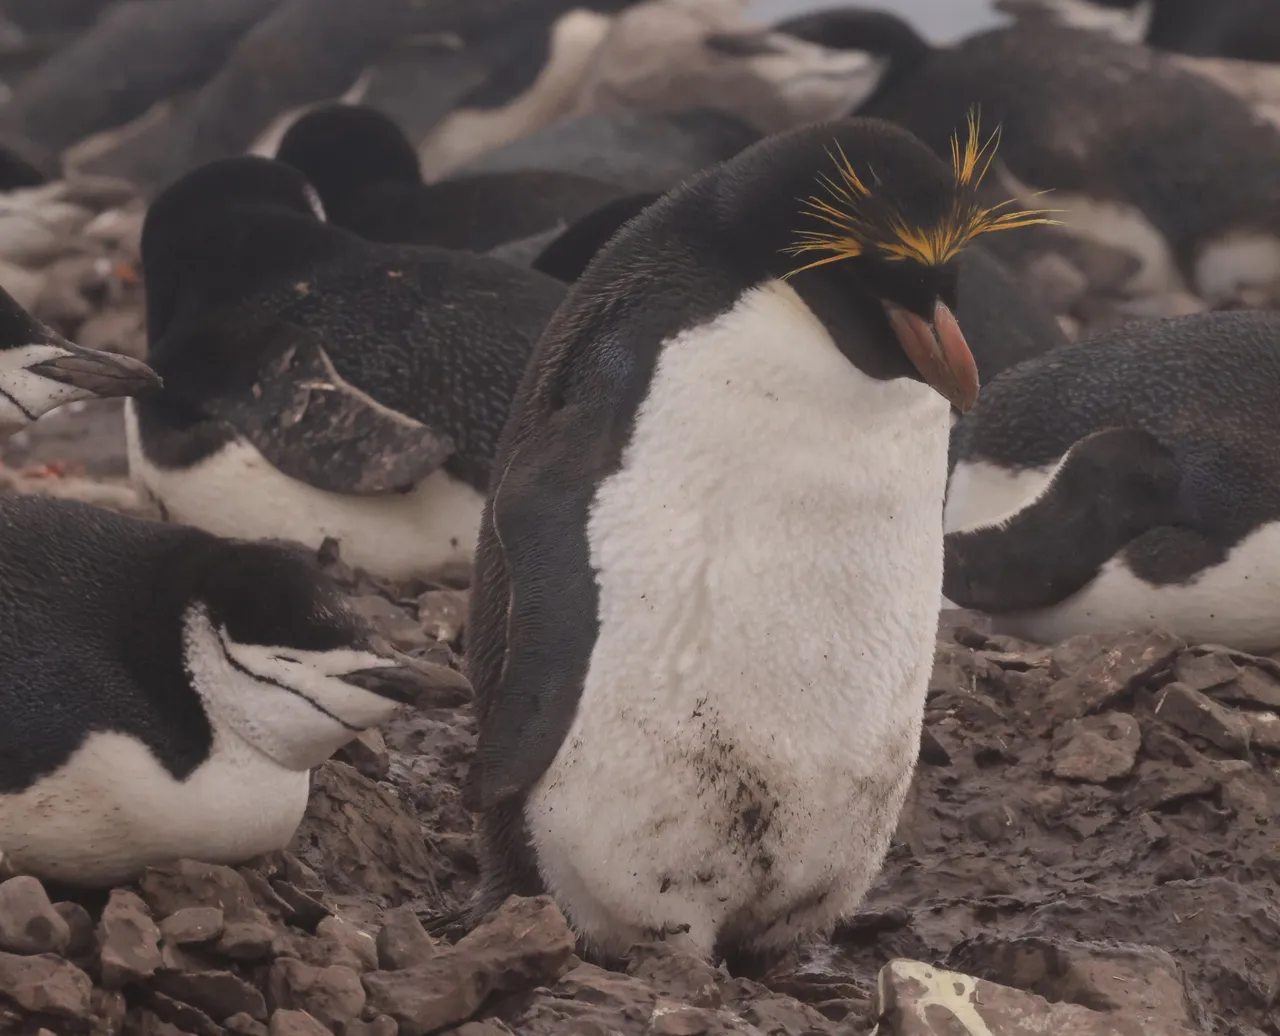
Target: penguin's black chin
939,352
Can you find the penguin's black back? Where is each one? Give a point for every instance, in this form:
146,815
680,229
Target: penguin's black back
1204,385
437,335
1081,112
473,213
91,607
1248,30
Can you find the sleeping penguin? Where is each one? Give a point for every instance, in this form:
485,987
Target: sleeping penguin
1125,482
166,692
40,370
318,385
1139,153
366,173
712,548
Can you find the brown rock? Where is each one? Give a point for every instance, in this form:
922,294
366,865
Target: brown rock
347,944
243,1025
916,999
675,1019
186,883
146,1023
109,1009
46,984
219,994
367,752
1251,686
130,940
333,995
296,1023
1096,749
1162,784
1264,730
1134,658
84,936
246,940
366,840
402,941
192,925
524,944
1194,712
1200,672
28,921
182,1016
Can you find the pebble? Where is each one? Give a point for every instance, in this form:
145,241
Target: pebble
192,925
28,921
129,938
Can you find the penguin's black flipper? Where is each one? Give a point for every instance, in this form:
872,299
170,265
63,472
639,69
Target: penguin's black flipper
320,429
545,575
1112,487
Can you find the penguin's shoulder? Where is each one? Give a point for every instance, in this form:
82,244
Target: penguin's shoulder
534,608
89,640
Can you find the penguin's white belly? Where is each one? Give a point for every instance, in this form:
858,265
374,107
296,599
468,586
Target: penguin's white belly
769,566
1233,603
113,810
237,493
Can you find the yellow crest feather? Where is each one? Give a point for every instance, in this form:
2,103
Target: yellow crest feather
858,221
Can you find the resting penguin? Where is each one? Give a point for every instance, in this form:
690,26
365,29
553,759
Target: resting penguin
165,692
1104,125
713,547
1004,323
1248,30
40,370
1128,481
318,385
366,173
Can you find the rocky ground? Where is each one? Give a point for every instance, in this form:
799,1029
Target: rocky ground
1089,845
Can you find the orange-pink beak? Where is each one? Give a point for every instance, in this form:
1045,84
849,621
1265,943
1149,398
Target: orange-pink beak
939,353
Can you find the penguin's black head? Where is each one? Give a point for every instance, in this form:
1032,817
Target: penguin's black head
268,635
878,33
570,253
342,149
860,216
225,228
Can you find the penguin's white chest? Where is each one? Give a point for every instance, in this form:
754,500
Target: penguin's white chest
113,809
237,493
769,561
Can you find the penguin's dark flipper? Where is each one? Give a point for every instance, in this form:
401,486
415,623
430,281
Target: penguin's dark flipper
319,429
1112,486
538,514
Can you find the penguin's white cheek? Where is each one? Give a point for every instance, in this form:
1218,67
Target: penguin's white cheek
286,703
25,396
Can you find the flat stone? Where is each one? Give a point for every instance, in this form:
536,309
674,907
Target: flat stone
246,940
347,944
46,984
332,995
524,944
670,1018
192,925
183,1016
1130,661
185,883
367,752
916,999
130,940
1251,686
1200,672
403,942
1195,713
219,994
28,921
1096,749
243,1025
297,1023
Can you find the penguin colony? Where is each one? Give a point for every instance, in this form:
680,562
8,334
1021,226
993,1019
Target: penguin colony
719,414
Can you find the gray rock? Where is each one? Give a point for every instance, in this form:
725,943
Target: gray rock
192,925
1097,749
28,921
47,985
403,942
332,995
130,940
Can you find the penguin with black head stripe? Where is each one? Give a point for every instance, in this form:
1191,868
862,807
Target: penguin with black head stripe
320,385
709,568
166,692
